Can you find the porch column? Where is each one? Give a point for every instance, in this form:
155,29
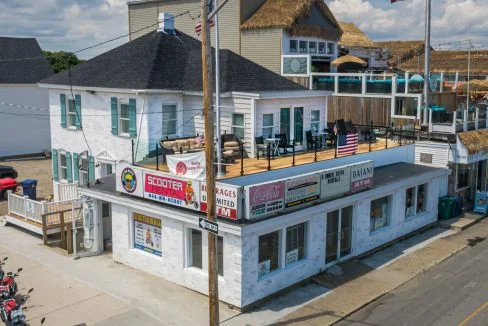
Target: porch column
336,84
394,84
407,77
477,116
465,120
430,120
363,84
456,80
442,82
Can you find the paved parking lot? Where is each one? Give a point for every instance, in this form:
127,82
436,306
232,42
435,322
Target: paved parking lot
32,169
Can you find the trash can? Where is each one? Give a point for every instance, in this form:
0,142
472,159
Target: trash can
29,188
458,206
446,207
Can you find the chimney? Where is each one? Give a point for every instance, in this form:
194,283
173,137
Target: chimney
166,23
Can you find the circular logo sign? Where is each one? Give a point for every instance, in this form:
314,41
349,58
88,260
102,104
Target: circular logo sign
181,168
129,180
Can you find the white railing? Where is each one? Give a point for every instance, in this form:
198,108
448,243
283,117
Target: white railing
16,204
67,191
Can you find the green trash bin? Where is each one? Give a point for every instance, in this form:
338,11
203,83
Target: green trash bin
446,207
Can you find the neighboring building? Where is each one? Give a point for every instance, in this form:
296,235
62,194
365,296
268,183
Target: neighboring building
292,38
24,107
151,89
402,51
358,44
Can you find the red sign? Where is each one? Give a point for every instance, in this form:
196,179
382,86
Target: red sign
171,191
226,199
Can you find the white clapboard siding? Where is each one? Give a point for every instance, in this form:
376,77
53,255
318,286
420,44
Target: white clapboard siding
439,152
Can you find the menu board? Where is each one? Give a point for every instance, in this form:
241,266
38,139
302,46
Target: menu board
147,234
302,190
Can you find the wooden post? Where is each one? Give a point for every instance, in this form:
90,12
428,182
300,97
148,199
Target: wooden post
63,235
213,285
69,236
315,150
44,229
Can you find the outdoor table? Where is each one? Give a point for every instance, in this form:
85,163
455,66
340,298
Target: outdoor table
274,142
322,135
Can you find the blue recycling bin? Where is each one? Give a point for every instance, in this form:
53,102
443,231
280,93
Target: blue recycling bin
29,188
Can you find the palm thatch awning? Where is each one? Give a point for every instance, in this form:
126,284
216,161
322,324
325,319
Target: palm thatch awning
401,51
286,14
474,86
353,37
475,141
348,59
451,62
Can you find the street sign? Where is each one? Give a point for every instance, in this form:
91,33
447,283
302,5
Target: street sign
208,225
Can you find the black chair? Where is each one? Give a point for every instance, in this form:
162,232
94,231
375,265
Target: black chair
284,143
351,128
331,136
260,146
310,140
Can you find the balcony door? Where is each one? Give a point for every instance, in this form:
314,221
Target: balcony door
291,123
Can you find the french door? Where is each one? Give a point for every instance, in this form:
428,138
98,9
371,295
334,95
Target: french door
291,123
338,241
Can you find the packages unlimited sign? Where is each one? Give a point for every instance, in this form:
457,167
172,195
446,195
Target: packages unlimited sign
226,200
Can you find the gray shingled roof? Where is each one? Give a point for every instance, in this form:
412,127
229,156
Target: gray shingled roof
13,71
173,62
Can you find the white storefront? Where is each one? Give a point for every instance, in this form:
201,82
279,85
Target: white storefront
289,225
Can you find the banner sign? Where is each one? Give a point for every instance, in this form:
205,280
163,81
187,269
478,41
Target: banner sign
147,234
335,182
302,190
177,192
362,176
481,202
188,165
227,198
266,199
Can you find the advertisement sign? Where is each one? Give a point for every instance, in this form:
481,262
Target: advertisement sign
291,256
362,176
147,234
266,199
335,182
481,202
226,198
129,180
173,191
189,165
302,190
264,268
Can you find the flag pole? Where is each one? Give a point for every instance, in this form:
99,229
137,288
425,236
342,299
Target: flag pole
428,7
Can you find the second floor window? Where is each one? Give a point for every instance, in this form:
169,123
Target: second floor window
71,114
330,48
312,47
293,46
170,120
268,125
321,47
315,120
238,125
303,46
124,118
63,167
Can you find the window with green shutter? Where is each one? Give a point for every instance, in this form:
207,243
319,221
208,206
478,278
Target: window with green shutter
76,170
78,112
91,169
115,116
132,118
54,157
62,104
69,167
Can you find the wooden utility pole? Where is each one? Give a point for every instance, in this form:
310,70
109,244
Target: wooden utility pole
213,285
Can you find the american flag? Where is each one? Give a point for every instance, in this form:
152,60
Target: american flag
198,26
347,143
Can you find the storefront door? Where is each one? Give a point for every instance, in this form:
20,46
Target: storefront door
338,242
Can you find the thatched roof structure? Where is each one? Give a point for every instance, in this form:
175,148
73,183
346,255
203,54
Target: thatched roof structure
401,51
475,140
286,14
451,62
353,37
348,59
475,86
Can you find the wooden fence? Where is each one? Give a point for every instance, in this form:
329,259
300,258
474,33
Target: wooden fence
360,110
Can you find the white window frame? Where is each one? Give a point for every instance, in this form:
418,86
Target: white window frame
63,169
120,119
305,243
306,47
329,46
325,48
69,113
82,173
289,46
175,120
280,254
310,48
317,122
268,126
234,126
190,249
387,223
414,206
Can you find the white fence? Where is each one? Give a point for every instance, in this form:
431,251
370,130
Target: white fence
67,191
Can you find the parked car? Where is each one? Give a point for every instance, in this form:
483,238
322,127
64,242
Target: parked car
7,184
8,172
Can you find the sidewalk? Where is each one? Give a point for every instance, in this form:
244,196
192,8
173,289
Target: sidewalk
356,283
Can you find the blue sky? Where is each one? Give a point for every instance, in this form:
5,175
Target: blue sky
71,25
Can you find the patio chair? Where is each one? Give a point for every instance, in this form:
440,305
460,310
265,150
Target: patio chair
260,146
331,136
310,140
284,143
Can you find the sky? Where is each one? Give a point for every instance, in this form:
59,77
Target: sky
74,24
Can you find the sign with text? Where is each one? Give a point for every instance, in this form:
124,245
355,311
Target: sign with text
188,165
227,198
266,199
173,191
208,225
362,176
335,182
481,202
302,190
129,180
147,234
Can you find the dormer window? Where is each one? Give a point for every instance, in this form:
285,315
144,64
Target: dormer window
293,46
312,47
321,47
303,46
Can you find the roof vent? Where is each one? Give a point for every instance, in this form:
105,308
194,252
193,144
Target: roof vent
166,23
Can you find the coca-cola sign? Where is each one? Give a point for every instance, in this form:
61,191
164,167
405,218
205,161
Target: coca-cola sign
266,199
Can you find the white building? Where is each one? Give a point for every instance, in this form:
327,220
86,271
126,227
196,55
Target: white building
24,130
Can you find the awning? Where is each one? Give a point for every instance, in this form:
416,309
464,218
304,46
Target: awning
472,146
348,59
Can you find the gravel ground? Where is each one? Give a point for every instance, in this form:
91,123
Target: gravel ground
32,169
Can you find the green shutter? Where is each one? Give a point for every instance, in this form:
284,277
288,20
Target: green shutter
91,169
54,158
75,167
69,167
115,117
132,118
62,102
78,111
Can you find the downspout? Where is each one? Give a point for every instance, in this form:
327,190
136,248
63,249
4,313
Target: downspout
140,125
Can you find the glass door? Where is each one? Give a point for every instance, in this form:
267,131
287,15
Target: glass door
346,231
331,237
285,122
339,234
298,123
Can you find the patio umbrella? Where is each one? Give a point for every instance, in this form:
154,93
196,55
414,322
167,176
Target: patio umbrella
474,86
348,59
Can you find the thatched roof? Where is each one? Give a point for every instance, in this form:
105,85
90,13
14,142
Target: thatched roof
475,140
348,59
451,62
353,37
480,86
286,14
401,51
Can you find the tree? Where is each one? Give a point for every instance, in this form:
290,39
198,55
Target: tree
61,60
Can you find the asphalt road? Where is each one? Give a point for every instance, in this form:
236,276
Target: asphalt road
454,292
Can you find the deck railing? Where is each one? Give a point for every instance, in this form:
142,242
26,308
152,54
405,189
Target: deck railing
67,191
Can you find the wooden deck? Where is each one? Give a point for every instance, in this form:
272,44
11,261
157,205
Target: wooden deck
253,165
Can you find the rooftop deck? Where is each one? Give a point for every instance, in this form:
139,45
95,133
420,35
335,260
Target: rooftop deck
251,166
